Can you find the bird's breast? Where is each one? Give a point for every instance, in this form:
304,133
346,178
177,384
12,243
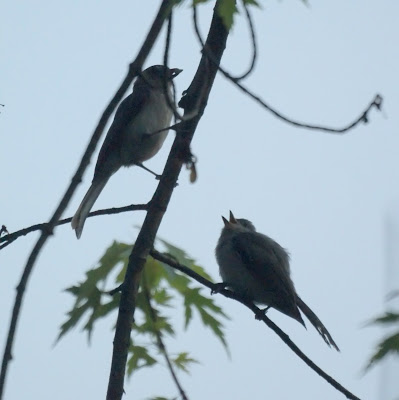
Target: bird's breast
239,278
142,142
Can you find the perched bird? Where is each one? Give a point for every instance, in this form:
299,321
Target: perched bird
134,135
257,268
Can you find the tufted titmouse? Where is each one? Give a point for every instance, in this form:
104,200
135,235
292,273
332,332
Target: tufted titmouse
131,139
257,268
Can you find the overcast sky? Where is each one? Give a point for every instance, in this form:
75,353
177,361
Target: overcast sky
324,197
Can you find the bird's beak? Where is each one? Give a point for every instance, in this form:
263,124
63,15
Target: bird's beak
226,223
231,223
232,218
174,72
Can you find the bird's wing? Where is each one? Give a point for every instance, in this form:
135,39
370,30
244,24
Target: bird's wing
129,108
265,264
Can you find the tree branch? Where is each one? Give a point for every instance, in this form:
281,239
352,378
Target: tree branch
364,116
197,93
134,69
283,336
160,342
11,237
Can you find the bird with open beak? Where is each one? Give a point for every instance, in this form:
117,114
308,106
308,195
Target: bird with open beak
257,268
136,134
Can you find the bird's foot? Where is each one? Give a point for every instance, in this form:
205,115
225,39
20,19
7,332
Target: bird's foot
141,165
261,313
218,287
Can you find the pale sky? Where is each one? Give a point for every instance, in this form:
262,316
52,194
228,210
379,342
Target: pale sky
323,197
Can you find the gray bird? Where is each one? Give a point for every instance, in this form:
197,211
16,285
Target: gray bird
257,268
131,139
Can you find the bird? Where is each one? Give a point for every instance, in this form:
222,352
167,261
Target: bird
257,268
136,134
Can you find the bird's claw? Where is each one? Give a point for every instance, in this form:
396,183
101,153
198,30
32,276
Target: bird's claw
261,313
218,287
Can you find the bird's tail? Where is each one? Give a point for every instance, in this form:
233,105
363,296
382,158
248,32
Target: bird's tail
312,317
81,214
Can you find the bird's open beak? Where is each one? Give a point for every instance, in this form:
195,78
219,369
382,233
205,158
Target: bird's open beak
232,219
174,72
226,223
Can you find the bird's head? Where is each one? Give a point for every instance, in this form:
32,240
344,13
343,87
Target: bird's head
157,75
238,224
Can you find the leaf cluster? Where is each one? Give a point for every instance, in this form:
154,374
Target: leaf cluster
390,344
161,288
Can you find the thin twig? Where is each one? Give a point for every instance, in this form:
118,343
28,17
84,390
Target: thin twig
11,237
158,334
253,41
134,68
364,116
171,102
283,336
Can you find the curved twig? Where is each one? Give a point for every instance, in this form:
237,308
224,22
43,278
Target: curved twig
253,41
134,69
172,104
252,34
283,336
364,116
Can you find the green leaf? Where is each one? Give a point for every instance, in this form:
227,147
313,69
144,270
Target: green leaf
182,361
385,319
389,345
254,3
227,9
214,325
177,280
161,398
88,297
161,325
154,272
206,307
91,304
74,316
178,254
162,297
101,311
140,358
182,258
196,2
162,283
117,252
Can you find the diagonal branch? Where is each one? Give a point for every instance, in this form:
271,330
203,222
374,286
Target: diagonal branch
197,93
283,336
134,69
160,342
363,118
